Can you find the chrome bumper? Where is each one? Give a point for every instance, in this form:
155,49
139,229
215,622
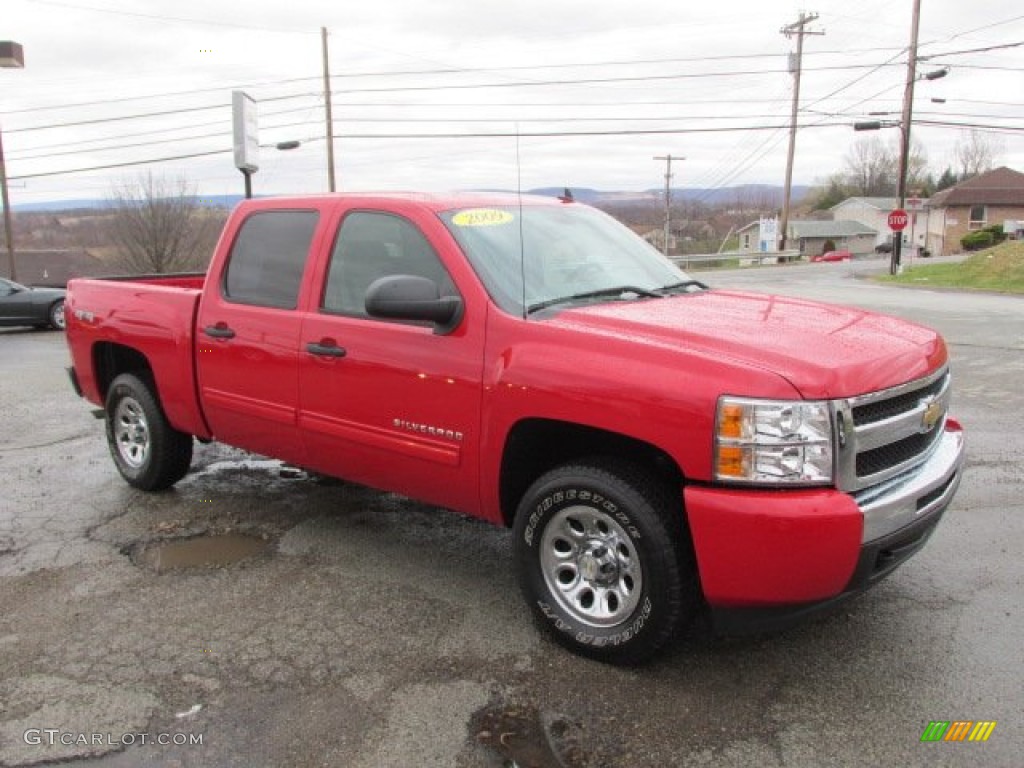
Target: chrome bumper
916,494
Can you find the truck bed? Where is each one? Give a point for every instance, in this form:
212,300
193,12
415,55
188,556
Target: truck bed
151,316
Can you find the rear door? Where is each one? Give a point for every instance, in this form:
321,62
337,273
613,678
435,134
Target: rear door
248,333
393,405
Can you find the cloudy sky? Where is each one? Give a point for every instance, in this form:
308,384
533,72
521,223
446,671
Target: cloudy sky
430,94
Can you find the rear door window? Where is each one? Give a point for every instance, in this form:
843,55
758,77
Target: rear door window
268,257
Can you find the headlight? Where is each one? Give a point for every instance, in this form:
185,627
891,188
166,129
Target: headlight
769,441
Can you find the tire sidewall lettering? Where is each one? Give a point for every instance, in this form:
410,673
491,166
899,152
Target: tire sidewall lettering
559,498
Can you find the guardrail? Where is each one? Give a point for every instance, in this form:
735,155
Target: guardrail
733,259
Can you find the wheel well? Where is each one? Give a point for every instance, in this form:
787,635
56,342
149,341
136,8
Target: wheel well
535,446
111,360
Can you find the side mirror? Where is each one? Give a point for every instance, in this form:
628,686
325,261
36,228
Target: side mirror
407,297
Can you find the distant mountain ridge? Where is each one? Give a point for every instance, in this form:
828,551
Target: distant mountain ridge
762,193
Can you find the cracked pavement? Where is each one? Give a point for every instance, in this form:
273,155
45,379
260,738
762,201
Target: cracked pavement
375,631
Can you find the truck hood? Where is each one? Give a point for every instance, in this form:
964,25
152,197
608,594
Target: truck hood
823,350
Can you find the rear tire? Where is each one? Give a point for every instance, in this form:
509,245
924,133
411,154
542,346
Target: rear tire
57,319
603,560
149,453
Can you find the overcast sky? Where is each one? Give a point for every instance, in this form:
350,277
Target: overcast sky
109,82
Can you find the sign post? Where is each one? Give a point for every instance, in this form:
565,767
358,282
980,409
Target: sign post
897,223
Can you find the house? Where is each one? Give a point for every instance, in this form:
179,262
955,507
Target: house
988,199
874,212
810,237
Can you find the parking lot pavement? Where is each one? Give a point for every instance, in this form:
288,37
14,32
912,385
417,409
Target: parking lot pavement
361,629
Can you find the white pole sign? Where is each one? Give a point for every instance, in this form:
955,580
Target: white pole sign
246,126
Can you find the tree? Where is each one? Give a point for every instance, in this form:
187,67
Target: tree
158,226
831,192
872,168
946,180
975,153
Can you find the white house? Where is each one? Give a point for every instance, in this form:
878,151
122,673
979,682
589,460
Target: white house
874,212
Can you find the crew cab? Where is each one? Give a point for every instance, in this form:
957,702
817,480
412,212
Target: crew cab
657,447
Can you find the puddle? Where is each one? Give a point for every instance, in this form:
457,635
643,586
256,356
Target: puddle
201,551
526,738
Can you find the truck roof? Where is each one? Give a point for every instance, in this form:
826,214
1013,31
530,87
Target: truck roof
434,201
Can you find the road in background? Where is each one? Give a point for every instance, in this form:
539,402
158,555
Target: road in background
374,631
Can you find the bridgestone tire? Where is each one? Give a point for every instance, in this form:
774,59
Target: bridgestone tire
149,453
604,561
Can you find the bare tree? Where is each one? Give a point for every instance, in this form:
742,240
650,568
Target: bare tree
158,226
871,168
976,153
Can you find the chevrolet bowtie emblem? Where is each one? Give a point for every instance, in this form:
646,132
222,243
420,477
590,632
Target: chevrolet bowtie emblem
932,414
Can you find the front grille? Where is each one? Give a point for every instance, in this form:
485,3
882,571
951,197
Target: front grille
879,459
886,409
891,431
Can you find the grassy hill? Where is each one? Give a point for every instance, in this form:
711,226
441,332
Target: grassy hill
999,269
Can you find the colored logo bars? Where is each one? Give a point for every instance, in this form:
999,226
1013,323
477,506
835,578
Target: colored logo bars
958,730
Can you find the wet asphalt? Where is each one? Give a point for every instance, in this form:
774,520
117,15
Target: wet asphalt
362,629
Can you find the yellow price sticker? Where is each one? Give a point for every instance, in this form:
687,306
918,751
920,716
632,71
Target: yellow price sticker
481,217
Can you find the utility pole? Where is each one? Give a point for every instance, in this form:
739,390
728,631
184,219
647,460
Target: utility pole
330,116
668,195
12,269
795,65
908,106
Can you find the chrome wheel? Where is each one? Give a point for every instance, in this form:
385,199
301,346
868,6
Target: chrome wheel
131,432
591,566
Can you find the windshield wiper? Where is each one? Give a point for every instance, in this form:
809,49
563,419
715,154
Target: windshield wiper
684,284
612,292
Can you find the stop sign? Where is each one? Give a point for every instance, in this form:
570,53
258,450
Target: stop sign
898,220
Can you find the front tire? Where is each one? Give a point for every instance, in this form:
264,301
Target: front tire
149,453
603,560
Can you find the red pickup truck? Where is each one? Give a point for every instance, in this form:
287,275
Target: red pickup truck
656,446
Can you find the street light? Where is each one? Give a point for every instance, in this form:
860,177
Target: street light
11,56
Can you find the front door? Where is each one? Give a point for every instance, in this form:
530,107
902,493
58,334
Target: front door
393,405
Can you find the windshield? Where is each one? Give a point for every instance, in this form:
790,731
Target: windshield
569,252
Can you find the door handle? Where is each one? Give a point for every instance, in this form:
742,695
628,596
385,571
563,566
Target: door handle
325,348
219,331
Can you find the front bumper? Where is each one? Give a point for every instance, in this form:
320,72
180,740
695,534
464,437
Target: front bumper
769,558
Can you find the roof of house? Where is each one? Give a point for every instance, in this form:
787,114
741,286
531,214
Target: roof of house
881,203
1002,186
829,229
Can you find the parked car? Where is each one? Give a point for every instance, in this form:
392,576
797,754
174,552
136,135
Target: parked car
38,307
885,247
832,256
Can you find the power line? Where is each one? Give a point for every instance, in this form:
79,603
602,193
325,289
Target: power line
161,113
125,99
465,135
970,50
158,17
